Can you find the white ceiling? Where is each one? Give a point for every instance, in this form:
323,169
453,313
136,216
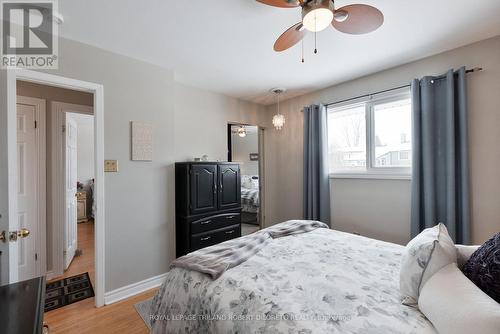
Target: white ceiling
226,46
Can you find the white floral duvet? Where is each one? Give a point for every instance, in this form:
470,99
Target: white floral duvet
323,281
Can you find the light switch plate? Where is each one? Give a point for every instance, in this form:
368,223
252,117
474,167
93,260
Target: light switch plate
111,166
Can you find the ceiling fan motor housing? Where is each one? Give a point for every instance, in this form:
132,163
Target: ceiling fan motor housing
317,14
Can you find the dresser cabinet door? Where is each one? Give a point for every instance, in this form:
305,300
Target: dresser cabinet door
229,186
203,186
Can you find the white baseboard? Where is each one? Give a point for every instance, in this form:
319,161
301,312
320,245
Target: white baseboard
133,289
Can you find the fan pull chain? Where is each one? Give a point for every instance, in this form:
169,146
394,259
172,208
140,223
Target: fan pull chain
315,44
302,51
315,33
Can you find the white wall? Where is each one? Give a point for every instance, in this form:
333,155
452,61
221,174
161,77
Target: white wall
380,208
85,147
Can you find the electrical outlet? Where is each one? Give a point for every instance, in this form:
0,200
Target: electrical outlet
111,166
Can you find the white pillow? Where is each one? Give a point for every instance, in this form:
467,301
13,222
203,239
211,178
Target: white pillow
455,305
425,254
246,181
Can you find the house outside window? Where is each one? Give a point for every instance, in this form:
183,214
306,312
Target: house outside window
371,137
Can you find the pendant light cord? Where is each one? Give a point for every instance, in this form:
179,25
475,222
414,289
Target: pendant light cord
279,102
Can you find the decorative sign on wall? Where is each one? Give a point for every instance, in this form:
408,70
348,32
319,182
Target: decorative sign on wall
142,141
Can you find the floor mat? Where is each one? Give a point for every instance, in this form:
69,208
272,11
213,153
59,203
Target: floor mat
68,291
144,310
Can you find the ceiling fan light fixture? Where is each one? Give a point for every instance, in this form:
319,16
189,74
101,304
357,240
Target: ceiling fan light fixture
242,132
317,15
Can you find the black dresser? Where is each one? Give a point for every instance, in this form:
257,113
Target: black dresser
21,307
208,204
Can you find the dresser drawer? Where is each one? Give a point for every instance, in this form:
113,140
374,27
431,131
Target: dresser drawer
215,222
211,238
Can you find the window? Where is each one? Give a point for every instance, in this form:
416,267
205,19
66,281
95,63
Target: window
371,137
347,139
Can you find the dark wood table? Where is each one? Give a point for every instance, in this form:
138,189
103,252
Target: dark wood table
21,307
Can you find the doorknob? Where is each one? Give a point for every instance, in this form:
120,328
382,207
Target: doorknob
22,233
2,236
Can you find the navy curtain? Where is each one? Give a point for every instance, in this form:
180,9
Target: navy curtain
440,176
316,180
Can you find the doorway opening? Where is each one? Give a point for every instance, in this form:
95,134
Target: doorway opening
245,144
45,197
56,174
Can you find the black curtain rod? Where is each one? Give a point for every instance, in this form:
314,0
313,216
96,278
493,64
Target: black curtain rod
475,69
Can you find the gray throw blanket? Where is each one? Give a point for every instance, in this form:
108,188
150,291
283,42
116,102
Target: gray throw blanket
215,260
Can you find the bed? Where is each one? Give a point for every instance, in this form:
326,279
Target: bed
250,202
323,281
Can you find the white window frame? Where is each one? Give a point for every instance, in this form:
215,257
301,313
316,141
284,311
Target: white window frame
372,172
404,159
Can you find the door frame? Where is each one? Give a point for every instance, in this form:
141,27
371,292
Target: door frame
41,185
262,180
262,177
58,192
98,92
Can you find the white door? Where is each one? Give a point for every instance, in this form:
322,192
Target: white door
70,233
27,205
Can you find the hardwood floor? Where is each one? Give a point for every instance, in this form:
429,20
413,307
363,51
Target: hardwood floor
84,262
84,318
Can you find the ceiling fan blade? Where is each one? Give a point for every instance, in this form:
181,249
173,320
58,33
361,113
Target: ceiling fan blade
281,3
361,19
289,38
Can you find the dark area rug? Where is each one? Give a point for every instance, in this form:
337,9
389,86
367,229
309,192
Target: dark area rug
68,291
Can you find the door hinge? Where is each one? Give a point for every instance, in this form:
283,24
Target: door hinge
64,128
36,256
36,124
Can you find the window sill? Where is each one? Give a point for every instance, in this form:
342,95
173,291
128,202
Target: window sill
371,176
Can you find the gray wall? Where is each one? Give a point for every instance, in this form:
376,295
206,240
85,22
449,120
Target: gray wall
188,122
201,119
380,208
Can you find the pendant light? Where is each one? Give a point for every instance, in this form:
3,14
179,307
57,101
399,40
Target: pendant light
278,119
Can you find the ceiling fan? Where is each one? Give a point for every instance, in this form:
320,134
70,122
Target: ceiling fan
317,15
